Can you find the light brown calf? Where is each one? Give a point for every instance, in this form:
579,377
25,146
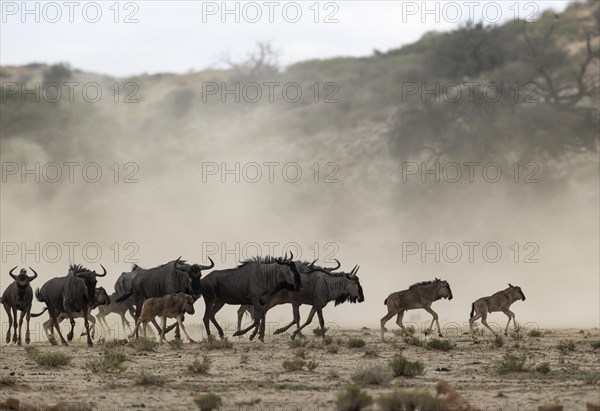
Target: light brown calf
500,301
168,306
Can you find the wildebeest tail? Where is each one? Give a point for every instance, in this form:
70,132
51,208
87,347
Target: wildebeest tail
472,310
38,295
40,313
124,297
385,302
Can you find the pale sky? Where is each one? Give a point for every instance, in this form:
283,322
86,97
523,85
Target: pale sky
177,36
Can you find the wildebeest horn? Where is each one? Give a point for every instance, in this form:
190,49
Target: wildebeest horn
14,277
510,285
208,267
311,265
338,265
353,272
34,274
102,275
291,256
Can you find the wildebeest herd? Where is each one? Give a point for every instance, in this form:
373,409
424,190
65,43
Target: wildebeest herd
257,285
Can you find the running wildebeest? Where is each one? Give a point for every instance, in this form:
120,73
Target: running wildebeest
501,301
70,294
170,278
102,299
171,306
251,282
419,295
116,308
18,296
319,287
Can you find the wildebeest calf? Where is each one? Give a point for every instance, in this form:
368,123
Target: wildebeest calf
500,301
168,306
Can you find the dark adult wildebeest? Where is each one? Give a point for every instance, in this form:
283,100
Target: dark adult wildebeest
116,308
170,278
419,295
501,301
251,282
171,306
18,296
102,299
319,287
70,294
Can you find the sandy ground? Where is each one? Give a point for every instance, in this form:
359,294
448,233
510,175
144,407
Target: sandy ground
250,375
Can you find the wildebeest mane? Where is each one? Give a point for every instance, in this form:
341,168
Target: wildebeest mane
423,283
262,260
78,268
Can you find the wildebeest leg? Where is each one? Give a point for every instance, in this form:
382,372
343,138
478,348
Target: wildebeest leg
86,322
296,320
20,327
208,305
134,332
384,320
258,313
14,339
308,321
510,316
138,311
7,308
27,339
215,309
435,319
484,322
399,318
55,323
164,326
321,321
124,322
240,314
179,320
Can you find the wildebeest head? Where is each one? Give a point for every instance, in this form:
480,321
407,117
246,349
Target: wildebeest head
102,297
188,303
517,292
89,278
359,290
22,281
444,289
194,271
292,275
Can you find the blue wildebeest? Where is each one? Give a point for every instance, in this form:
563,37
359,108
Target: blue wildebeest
419,295
171,278
251,282
318,289
501,301
18,296
102,299
70,294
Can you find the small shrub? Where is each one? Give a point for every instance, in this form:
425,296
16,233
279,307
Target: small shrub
110,361
355,342
51,358
318,333
301,353
534,333
498,341
293,365
244,359
376,375
208,402
566,346
145,377
543,368
442,345
298,342
200,367
590,377
332,349
401,366
353,398
511,363
410,400
311,365
212,343
176,344
111,345
413,340
371,353
595,344
144,344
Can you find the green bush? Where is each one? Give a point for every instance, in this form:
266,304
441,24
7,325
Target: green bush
212,343
511,363
401,366
353,398
377,375
543,368
498,341
332,349
566,346
144,344
356,342
200,367
145,377
410,400
110,361
442,345
293,365
412,340
311,365
51,358
110,345
208,402
534,333
595,344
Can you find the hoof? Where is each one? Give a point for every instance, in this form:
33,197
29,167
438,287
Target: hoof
278,331
235,334
65,343
261,339
192,341
252,337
